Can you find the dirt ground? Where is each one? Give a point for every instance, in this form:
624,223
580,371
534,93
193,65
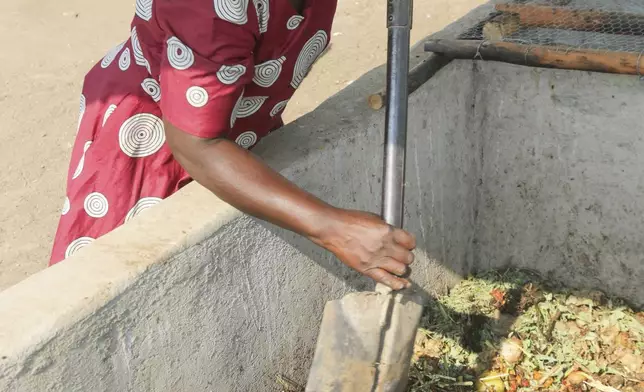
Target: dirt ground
47,47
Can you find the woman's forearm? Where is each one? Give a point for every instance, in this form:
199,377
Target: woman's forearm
360,240
243,181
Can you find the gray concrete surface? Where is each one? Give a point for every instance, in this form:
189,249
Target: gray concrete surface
507,165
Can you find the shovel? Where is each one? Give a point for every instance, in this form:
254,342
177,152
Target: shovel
366,339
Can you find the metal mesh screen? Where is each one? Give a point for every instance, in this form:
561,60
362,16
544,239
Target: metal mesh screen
597,25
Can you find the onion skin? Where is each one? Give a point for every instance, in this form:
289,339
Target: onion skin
512,351
576,378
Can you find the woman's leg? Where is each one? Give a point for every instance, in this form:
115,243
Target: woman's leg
120,166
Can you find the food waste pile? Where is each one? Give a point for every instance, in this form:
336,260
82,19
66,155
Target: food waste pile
512,330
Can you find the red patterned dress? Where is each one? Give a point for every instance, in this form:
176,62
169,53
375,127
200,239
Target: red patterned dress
213,68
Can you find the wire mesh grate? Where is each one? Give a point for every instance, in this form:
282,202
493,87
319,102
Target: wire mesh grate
595,25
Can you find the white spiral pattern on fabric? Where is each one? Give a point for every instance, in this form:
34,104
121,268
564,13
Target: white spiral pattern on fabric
144,9
111,55
82,104
263,14
278,108
233,11
81,111
139,58
66,206
140,206
250,106
233,115
125,60
153,88
310,52
141,135
247,139
81,162
108,113
79,168
77,245
136,47
294,22
266,74
197,96
96,205
229,74
179,55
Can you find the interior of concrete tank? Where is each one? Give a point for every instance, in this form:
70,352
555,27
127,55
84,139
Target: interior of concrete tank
508,166
558,187
553,159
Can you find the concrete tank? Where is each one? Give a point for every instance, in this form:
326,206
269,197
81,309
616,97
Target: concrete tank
507,166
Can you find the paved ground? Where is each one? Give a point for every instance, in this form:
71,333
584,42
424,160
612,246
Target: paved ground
46,48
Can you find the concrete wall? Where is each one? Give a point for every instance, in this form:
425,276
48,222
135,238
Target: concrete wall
506,165
562,181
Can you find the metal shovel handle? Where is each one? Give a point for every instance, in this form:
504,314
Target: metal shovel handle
399,21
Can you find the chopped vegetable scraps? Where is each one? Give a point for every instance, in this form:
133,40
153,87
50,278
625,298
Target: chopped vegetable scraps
514,331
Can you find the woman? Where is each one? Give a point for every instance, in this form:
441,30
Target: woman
197,84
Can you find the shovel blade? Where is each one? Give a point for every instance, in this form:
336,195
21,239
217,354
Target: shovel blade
365,343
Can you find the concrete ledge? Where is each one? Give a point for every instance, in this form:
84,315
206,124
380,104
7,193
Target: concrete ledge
63,294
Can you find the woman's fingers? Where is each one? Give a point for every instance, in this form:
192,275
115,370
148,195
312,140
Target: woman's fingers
384,277
399,253
405,239
393,266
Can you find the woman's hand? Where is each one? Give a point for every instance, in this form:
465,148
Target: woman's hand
370,246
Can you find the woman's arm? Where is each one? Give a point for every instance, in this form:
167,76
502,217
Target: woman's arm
360,240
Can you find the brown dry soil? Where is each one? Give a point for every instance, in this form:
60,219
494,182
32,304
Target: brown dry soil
47,47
